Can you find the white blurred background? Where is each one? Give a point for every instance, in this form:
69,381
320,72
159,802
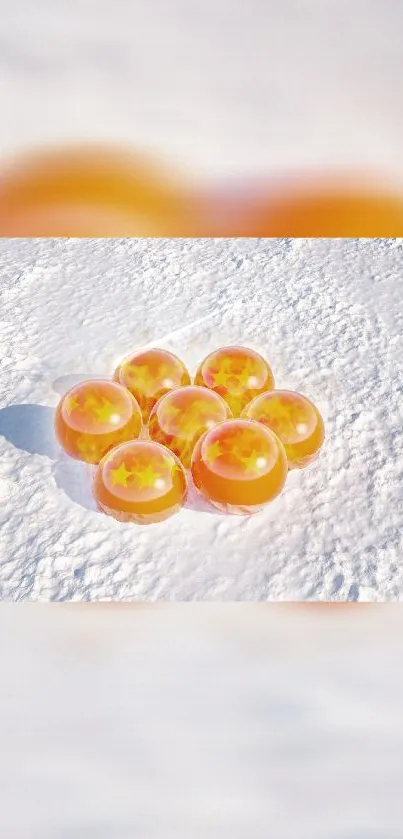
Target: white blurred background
221,88
163,722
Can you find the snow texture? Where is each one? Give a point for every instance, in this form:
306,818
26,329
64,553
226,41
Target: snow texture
328,316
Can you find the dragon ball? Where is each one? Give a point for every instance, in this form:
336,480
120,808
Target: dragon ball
140,481
93,417
295,420
239,466
237,374
150,374
180,418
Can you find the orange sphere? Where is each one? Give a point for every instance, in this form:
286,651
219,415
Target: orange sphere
180,418
237,374
295,420
140,481
93,191
239,466
93,417
150,374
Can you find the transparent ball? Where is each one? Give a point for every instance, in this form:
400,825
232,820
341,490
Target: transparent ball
180,418
295,420
239,466
150,374
140,481
237,374
95,416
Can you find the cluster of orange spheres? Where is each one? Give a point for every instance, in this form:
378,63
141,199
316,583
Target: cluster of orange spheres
231,428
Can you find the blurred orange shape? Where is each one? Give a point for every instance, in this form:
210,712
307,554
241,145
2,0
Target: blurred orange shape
180,418
140,481
93,417
294,419
87,191
96,191
239,466
150,374
237,374
324,211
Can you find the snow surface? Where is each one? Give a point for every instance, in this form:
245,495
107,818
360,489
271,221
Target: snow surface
209,720
328,316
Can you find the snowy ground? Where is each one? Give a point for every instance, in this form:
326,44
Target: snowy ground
328,316
219,721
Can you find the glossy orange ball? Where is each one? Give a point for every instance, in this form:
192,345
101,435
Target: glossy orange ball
295,420
237,374
93,417
180,418
150,374
140,481
239,466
